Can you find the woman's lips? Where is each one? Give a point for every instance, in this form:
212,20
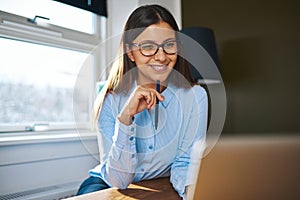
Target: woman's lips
159,68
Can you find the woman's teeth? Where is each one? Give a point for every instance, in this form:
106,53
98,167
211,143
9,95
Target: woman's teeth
159,67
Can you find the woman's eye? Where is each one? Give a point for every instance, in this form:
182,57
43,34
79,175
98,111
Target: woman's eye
170,44
148,46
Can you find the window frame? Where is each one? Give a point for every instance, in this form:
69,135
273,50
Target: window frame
16,27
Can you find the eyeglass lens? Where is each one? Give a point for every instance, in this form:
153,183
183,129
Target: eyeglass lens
150,49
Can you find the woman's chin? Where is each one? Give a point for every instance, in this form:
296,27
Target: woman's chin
160,77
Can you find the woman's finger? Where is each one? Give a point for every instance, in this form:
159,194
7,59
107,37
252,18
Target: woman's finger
159,96
153,98
146,98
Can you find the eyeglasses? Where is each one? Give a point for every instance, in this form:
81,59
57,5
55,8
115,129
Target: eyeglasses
149,48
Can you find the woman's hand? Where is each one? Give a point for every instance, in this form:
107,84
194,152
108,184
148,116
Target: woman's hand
142,98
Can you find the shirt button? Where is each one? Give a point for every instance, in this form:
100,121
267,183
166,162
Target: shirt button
132,129
150,147
131,138
142,169
132,156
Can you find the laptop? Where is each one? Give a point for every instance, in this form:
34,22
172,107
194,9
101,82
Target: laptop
255,167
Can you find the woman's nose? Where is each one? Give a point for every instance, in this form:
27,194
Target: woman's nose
160,55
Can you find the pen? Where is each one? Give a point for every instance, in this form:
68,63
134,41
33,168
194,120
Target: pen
157,104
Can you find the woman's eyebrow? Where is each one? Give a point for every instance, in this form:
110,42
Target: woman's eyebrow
153,41
169,39
145,41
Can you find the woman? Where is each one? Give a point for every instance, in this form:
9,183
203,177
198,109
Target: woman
132,147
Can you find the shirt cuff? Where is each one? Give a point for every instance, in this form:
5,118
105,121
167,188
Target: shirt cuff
124,134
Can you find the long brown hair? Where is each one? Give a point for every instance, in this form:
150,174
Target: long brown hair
138,21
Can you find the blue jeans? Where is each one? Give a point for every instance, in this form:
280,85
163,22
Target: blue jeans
92,184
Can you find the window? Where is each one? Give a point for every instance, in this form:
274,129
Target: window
58,13
35,91
40,64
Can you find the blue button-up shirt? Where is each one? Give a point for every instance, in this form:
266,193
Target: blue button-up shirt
139,152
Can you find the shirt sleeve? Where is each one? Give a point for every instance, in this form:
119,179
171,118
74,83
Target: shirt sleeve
117,145
192,143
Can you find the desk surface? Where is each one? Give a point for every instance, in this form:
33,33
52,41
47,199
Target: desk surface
155,189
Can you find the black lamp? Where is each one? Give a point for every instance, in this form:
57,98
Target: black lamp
205,37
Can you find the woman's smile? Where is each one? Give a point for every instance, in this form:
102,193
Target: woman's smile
159,68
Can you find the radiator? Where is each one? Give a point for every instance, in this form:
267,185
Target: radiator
55,192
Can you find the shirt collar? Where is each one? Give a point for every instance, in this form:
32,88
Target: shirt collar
168,94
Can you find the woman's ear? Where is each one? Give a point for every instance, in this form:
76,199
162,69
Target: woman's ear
129,53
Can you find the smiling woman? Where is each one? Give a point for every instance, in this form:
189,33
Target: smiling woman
149,73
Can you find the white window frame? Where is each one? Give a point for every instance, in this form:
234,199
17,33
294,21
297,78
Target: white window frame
18,28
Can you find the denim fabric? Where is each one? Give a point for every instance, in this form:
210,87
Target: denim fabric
92,184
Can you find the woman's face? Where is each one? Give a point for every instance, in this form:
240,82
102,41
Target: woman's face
158,66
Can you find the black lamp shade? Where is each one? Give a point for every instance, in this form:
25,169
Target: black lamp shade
205,37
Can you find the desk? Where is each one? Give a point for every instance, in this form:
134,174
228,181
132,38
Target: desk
155,189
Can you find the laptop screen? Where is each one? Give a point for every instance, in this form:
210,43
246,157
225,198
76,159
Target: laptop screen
250,167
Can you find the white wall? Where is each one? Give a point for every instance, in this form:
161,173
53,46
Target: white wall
49,160
174,6
119,10
36,163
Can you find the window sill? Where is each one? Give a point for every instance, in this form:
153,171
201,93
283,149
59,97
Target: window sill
49,136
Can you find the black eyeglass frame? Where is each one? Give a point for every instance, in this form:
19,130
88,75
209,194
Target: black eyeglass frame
158,46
